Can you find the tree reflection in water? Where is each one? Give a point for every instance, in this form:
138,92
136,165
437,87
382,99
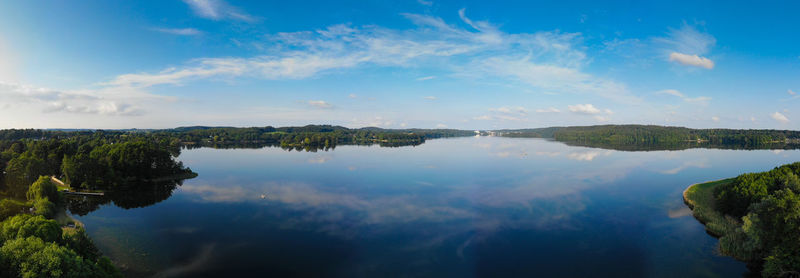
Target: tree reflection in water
134,195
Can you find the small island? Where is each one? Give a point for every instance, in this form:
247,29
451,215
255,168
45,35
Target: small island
756,217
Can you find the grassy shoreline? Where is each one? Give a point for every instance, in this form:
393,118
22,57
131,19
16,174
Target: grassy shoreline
700,199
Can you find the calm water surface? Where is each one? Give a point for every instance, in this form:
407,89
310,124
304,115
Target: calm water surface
483,206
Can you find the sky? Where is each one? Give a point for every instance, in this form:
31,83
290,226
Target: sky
399,64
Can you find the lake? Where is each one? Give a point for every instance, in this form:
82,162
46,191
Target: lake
461,207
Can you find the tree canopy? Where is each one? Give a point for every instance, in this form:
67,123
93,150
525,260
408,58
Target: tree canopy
768,205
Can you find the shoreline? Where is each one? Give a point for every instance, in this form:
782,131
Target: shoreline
690,203
702,204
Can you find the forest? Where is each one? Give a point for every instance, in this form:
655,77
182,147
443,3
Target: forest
310,137
652,137
761,222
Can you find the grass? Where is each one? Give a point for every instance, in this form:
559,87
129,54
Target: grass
23,203
700,198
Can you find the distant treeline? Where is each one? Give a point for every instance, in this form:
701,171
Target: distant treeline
644,137
306,137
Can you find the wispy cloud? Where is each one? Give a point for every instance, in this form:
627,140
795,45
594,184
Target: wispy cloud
778,116
687,45
218,10
700,100
555,78
104,101
672,93
518,110
792,95
377,121
430,97
426,78
551,61
179,31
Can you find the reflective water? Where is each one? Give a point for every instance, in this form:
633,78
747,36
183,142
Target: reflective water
461,207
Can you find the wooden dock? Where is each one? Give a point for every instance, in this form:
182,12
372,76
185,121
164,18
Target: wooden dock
84,193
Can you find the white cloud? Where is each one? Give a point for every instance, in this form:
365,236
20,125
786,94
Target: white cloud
426,78
779,117
441,126
320,104
425,3
715,119
218,10
104,101
179,31
791,93
687,45
587,109
672,92
430,97
691,60
352,96
548,110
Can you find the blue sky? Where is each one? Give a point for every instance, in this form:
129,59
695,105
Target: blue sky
396,64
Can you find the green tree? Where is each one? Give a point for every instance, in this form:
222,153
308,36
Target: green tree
44,207
33,257
44,187
78,241
24,225
22,171
9,208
